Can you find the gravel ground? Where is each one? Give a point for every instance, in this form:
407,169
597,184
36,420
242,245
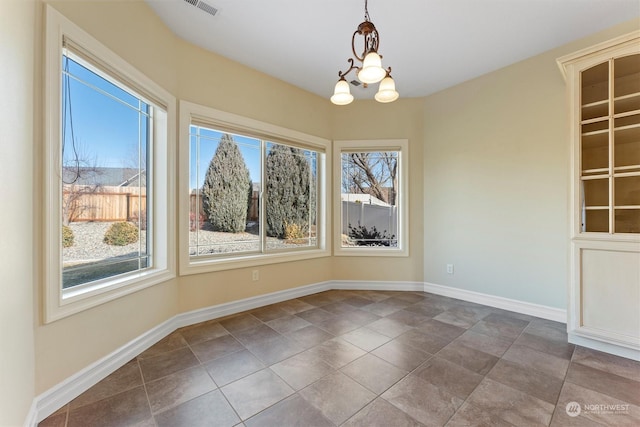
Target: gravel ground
89,245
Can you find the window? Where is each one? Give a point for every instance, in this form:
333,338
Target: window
256,192
371,184
105,148
107,174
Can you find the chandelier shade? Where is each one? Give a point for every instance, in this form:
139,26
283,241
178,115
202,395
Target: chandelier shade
342,94
370,71
387,90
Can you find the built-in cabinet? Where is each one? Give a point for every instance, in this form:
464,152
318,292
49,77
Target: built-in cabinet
603,87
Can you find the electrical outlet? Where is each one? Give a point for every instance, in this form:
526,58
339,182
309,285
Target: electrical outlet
449,268
255,275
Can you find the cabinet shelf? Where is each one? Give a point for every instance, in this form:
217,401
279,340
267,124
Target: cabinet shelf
599,171
625,168
626,103
625,174
597,103
596,132
592,177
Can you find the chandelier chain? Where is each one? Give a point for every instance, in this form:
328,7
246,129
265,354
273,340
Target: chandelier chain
369,67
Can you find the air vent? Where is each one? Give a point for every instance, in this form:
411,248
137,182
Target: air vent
355,82
203,6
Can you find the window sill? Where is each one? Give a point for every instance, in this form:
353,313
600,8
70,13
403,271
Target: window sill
191,265
71,301
371,252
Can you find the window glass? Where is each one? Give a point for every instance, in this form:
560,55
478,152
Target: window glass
248,195
291,195
371,203
369,197
105,151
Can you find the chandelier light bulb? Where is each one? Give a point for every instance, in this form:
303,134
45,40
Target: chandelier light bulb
367,64
342,94
387,90
371,71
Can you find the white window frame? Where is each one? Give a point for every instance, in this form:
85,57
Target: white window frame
346,146
191,113
59,303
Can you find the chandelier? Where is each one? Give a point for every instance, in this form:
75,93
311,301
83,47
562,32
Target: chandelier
370,71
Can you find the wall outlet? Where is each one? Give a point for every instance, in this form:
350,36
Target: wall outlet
255,275
449,268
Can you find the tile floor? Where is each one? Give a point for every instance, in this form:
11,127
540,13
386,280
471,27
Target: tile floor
364,358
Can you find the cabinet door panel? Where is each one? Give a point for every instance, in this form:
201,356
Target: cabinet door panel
611,291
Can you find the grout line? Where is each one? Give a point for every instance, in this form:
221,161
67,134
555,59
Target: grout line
144,385
347,294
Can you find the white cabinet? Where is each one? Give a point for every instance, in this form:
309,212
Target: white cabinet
603,87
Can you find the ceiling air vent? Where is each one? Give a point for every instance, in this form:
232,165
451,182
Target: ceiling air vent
203,6
355,83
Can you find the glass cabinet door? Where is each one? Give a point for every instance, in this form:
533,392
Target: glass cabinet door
610,146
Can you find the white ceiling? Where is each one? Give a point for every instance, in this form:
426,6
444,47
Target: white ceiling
430,44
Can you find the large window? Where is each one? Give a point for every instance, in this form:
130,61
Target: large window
371,184
105,148
255,191
107,174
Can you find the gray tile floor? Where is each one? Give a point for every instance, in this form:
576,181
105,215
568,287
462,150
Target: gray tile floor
365,358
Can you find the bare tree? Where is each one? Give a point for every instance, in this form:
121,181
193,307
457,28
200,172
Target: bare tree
80,177
373,173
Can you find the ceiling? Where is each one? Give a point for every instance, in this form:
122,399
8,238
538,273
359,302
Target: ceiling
430,44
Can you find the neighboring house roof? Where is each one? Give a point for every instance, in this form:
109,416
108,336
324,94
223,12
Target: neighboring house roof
104,176
363,198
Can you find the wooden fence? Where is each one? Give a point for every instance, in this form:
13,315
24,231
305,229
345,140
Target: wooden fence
195,204
83,203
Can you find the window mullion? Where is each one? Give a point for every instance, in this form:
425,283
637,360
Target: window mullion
262,209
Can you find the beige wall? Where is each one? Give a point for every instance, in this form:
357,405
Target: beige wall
488,187
194,75
496,173
17,20
369,119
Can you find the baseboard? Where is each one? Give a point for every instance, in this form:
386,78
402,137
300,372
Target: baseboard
366,285
542,311
61,394
600,345
226,309
64,392
32,416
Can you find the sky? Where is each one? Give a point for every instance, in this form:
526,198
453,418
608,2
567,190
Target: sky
104,121
204,151
105,124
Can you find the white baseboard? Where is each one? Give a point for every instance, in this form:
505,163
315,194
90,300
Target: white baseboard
64,392
32,416
542,311
600,345
226,309
61,394
362,285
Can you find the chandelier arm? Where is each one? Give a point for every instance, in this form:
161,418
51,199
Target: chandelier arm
351,67
353,46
